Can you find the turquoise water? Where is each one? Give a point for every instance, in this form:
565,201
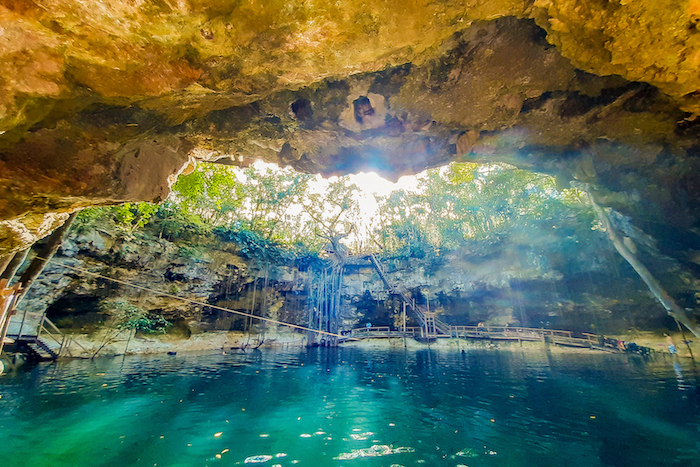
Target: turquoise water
353,407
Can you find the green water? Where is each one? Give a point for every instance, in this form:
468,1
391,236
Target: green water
352,407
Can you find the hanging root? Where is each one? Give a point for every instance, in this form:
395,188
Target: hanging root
672,308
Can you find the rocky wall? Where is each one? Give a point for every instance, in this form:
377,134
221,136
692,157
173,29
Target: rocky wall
107,103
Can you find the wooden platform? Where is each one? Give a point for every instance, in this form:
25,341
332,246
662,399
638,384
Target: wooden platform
497,333
37,336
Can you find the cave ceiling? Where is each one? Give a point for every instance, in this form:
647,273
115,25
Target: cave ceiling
108,101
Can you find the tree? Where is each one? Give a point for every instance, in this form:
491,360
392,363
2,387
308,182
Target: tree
672,308
462,204
334,213
126,316
212,192
269,198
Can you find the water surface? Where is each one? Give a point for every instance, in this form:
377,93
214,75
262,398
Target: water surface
353,407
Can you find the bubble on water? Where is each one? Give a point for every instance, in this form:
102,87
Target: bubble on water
467,452
377,450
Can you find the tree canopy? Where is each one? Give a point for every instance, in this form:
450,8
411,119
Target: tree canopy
457,206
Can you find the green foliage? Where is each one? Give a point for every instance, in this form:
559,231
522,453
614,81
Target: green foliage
334,213
132,216
125,218
275,215
268,198
253,245
89,219
211,192
128,316
464,205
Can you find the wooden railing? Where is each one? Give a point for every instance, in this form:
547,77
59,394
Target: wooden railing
7,302
36,326
555,336
431,325
55,334
384,331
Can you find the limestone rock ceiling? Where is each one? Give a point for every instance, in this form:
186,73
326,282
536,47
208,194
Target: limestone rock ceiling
108,101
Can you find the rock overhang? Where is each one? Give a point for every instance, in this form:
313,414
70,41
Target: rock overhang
108,104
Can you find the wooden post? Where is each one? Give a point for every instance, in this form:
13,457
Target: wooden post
404,324
404,319
13,265
41,325
44,254
4,261
21,325
7,307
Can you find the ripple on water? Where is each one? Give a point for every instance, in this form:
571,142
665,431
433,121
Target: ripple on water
355,406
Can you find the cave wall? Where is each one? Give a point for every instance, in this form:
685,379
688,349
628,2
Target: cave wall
205,271
107,103
555,280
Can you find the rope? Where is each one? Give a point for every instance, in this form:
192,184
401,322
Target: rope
195,302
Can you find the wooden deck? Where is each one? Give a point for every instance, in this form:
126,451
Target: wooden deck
494,333
431,327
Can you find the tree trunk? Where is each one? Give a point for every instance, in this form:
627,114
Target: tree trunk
44,254
13,265
4,261
661,295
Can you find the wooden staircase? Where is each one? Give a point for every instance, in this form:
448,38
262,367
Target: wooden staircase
40,351
39,338
431,326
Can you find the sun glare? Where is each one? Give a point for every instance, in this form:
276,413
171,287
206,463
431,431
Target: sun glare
370,184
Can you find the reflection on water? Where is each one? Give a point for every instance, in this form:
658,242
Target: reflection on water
354,407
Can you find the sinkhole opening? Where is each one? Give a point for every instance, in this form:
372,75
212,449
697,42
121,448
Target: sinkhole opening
466,244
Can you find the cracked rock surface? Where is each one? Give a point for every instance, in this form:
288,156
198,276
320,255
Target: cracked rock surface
106,102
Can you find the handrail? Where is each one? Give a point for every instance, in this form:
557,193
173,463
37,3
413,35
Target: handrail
55,328
487,329
557,336
63,340
438,326
58,340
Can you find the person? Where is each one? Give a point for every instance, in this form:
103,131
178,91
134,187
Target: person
671,345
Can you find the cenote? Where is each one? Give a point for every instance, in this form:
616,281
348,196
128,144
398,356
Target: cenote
379,233
354,407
